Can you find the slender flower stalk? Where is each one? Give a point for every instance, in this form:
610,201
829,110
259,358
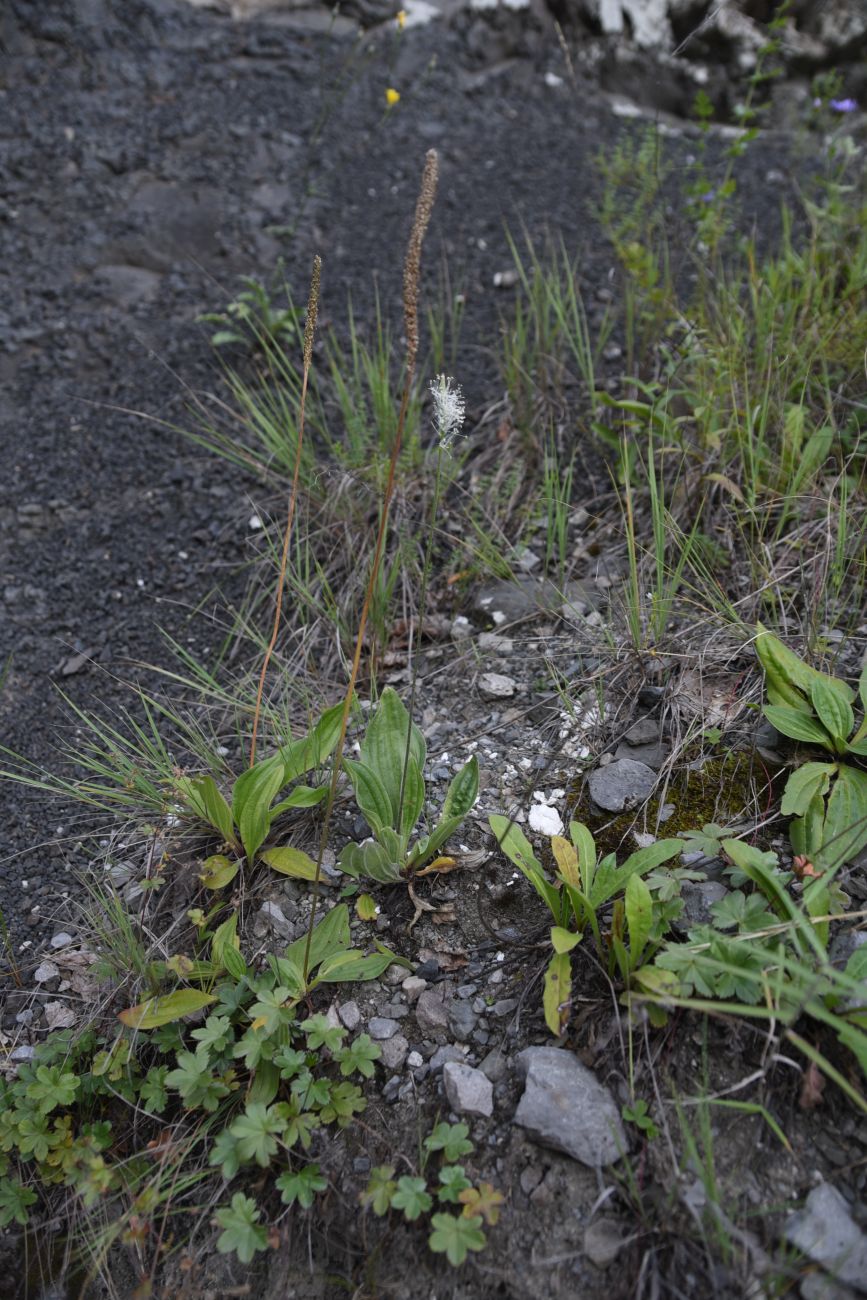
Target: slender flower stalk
448,419
309,331
411,281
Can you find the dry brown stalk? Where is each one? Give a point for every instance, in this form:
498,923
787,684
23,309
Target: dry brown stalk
309,331
411,276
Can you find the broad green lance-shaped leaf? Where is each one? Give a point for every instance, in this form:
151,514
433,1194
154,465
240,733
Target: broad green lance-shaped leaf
807,833
290,862
384,747
610,879
413,799
787,678
201,795
225,936
456,1237
162,1011
462,792
234,963
218,871
518,849
797,725
585,847
834,710
845,831
372,860
804,785
566,857
303,796
564,940
251,802
242,1232
351,966
639,917
330,936
557,988
370,795
311,750
366,907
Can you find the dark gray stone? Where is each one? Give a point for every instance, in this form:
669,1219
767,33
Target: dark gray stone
564,1106
462,1020
625,783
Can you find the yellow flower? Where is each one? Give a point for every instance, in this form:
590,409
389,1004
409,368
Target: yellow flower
392,96
400,19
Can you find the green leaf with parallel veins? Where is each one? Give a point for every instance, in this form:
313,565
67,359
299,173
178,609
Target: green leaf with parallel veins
810,781
564,940
370,795
385,744
218,871
518,850
352,966
202,797
463,791
413,799
797,725
312,750
372,860
611,879
225,937
639,917
290,862
251,802
303,796
834,710
163,1010
845,832
555,996
330,936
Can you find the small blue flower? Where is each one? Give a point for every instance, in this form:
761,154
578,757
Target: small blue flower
844,105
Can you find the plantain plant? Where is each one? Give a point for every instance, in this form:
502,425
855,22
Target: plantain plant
244,824
583,886
827,800
388,781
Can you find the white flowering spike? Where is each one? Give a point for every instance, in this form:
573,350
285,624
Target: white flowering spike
449,409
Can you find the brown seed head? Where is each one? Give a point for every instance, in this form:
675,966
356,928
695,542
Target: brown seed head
412,265
312,311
